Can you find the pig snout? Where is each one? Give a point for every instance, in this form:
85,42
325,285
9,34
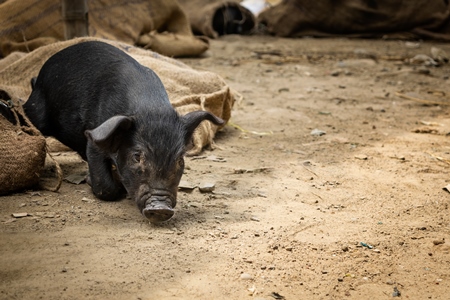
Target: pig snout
158,208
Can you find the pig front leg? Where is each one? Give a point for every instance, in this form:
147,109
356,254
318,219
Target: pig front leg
103,183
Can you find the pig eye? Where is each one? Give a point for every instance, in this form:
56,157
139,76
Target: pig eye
137,156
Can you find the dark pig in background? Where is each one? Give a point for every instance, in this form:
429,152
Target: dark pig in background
116,114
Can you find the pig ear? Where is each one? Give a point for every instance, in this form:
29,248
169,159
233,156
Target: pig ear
193,119
109,134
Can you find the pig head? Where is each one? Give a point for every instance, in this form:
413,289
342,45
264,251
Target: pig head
116,114
147,158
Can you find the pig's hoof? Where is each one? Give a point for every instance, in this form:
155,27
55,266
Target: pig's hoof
158,213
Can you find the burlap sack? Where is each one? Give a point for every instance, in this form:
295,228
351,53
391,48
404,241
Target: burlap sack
188,89
160,25
218,17
22,153
358,18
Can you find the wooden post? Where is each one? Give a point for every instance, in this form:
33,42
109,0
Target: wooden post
75,17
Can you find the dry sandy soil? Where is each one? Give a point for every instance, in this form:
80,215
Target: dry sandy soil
356,213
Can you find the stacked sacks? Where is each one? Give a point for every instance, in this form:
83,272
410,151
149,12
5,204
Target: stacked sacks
159,25
356,18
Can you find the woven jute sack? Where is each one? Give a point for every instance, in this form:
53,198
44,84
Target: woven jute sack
159,25
397,19
22,153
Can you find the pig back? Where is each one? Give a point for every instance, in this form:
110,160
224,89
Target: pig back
83,85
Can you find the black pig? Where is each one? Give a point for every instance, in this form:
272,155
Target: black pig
116,114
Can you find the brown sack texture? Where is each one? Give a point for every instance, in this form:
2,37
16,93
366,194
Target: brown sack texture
22,154
160,25
359,18
188,89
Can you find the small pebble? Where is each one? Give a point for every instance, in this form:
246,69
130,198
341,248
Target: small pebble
424,70
361,157
195,204
85,199
335,73
439,54
252,290
317,132
186,185
246,276
366,245
206,187
20,215
396,292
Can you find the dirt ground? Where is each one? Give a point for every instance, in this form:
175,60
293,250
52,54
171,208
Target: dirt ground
328,185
